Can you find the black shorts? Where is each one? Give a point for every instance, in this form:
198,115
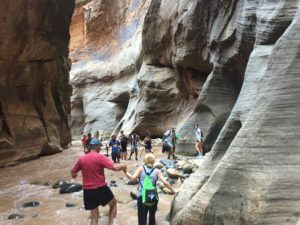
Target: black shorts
123,148
94,197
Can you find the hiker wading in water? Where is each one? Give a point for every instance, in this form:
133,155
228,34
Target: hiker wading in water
95,189
154,174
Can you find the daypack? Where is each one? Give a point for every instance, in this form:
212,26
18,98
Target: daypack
149,193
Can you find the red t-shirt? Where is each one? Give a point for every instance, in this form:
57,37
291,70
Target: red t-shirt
92,167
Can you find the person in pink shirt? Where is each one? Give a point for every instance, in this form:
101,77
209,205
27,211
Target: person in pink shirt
95,189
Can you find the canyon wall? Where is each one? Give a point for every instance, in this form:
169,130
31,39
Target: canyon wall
232,66
34,82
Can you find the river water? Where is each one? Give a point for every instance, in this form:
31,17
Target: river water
25,182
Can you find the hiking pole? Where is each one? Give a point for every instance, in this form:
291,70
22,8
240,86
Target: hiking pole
106,147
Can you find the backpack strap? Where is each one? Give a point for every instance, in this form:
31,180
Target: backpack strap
148,174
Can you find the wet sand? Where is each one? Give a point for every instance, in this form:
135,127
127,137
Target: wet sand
24,183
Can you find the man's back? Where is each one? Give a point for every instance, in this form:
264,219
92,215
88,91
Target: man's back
92,166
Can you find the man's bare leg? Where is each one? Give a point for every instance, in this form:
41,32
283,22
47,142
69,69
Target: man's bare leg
112,211
95,216
197,147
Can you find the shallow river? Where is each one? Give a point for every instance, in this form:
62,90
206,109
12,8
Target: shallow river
24,183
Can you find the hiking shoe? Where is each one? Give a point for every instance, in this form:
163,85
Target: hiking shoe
199,156
136,158
115,222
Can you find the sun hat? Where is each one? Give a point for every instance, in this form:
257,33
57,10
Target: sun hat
95,141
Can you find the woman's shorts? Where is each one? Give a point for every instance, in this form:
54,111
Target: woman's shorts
123,148
94,197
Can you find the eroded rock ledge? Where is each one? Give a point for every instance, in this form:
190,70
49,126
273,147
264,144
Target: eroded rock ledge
34,89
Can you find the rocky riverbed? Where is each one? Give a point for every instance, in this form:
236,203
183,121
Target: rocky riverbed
28,196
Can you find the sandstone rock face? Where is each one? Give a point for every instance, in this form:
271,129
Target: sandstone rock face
253,179
231,66
34,89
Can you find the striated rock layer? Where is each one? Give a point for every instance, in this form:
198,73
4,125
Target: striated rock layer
34,68
232,66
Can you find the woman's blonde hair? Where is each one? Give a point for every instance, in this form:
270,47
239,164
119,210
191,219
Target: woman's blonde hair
149,159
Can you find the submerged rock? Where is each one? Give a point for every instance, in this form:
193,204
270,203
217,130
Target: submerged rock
133,195
133,182
30,204
70,187
172,181
69,205
123,199
15,216
167,163
59,184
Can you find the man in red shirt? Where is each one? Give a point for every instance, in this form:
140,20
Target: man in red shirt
95,189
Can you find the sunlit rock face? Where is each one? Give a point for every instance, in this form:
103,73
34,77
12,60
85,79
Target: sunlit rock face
106,50
232,66
34,89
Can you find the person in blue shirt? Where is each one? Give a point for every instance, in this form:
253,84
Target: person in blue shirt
115,148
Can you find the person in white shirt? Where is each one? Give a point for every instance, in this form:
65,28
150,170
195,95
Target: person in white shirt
199,140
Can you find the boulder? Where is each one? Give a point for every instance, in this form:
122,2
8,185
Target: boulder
70,205
59,184
70,187
30,204
188,168
134,196
166,190
158,165
133,182
15,216
173,174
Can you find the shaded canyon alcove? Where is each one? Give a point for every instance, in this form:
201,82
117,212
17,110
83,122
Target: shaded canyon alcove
34,81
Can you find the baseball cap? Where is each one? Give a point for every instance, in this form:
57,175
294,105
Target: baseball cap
95,141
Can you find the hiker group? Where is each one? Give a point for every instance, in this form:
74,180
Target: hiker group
96,192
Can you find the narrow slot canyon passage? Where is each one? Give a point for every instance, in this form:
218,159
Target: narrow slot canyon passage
150,68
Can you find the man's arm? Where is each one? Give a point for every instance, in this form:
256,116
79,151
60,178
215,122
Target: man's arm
179,138
76,168
73,174
118,167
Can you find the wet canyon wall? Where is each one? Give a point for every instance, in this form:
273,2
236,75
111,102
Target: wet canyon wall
232,66
34,78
